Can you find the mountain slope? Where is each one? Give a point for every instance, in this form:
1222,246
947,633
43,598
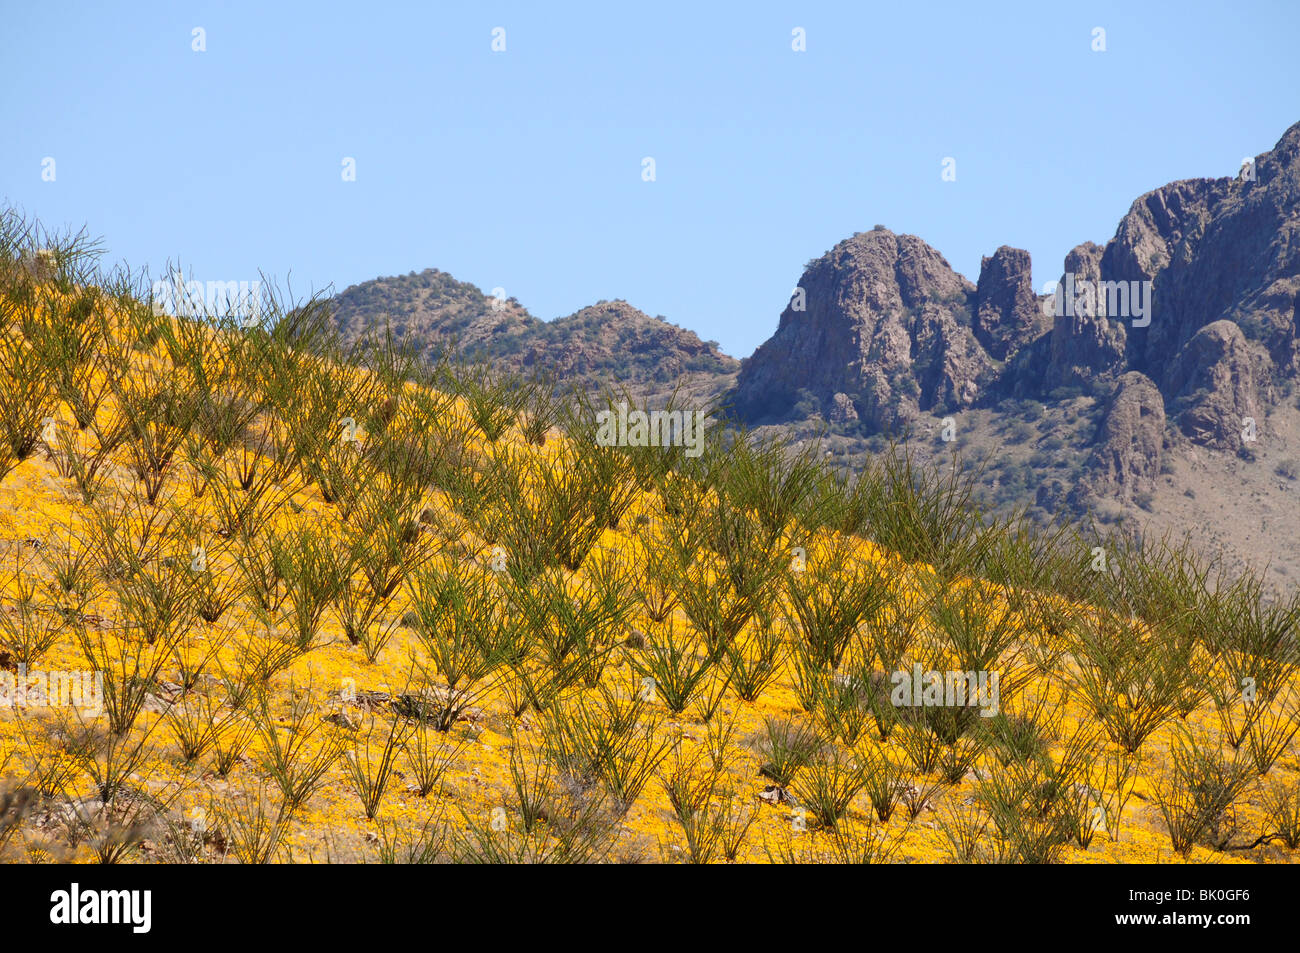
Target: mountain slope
1169,349
610,342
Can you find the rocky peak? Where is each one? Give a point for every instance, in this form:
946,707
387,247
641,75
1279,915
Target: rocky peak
1085,342
610,342
1224,248
430,310
1211,384
600,339
1125,460
1007,312
881,318
1208,250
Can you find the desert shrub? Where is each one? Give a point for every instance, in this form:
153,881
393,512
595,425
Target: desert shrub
674,663
1132,678
1037,806
462,624
1196,793
829,783
545,512
776,483
307,561
785,746
1282,802
27,630
371,759
580,827
753,659
494,399
608,737
722,570
927,515
575,628
1018,432
1253,652
298,749
703,802
249,826
832,598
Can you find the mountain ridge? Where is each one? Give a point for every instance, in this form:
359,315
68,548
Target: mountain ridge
1177,334
436,313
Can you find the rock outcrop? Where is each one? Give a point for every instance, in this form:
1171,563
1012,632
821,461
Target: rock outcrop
842,410
1007,312
881,318
1211,385
1125,459
1225,248
1085,342
1208,250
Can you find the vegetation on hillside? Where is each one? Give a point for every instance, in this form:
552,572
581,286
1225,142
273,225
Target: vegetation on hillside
608,342
343,604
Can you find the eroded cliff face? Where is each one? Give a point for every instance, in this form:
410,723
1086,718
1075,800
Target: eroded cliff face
1008,315
1217,249
1199,290
1212,385
1125,458
881,319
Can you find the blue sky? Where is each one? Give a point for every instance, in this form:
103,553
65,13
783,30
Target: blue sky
522,169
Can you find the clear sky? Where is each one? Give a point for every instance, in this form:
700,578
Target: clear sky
522,169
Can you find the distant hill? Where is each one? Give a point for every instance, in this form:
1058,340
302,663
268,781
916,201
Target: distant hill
609,342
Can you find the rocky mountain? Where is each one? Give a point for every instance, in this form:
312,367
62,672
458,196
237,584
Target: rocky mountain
1125,459
1178,333
1154,380
608,342
1008,315
430,310
1198,290
880,323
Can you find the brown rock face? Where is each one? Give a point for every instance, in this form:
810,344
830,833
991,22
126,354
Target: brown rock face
1212,384
1211,250
1126,458
1085,343
1007,314
610,342
884,320
1162,227
1218,248
842,410
949,364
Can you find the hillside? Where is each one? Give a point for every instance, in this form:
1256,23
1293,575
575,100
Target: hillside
264,597
883,340
607,343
